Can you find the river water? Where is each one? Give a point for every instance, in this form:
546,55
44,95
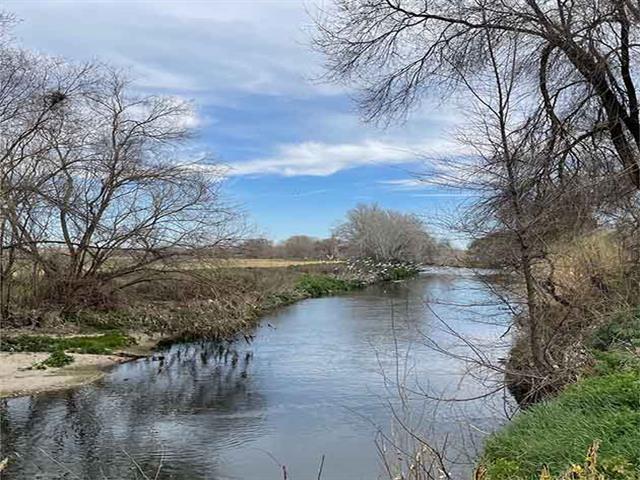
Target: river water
319,379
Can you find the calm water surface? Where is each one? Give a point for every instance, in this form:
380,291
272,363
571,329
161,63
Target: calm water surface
318,379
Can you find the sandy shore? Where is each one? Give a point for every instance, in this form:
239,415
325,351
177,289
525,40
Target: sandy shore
16,379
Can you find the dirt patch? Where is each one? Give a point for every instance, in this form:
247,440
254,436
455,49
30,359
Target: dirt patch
17,379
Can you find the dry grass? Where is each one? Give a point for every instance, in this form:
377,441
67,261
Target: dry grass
582,286
271,263
591,268
203,302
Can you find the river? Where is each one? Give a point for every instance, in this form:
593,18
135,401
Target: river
318,379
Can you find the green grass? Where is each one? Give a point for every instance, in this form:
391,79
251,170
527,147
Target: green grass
57,359
97,344
322,285
604,408
557,433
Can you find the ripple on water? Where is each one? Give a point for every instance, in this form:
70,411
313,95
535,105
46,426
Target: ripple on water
320,382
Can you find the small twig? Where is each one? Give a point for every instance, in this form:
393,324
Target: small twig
320,469
59,464
157,475
136,465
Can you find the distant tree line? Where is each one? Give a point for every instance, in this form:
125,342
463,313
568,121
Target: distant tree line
368,232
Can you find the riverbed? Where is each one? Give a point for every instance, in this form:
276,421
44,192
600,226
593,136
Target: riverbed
317,387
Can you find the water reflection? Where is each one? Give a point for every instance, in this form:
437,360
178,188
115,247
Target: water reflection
309,385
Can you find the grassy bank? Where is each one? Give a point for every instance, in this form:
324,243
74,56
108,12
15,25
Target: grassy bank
102,344
323,285
62,350
550,439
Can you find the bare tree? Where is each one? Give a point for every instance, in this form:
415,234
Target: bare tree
300,246
32,89
398,50
96,192
328,248
257,248
385,235
551,152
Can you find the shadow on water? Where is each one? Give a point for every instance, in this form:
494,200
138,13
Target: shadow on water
309,385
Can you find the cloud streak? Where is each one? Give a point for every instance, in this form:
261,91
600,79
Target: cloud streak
323,159
405,184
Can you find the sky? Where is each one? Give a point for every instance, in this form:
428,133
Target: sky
296,152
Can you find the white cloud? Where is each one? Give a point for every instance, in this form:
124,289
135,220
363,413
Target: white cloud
258,47
322,159
438,179
405,184
230,55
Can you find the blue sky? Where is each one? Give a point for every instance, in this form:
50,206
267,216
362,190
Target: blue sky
298,155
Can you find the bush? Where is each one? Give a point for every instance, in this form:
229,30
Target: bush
368,270
622,332
321,285
402,272
57,359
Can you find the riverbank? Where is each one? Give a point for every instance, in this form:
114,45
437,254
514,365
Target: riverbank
42,358
591,430
574,368
31,364
19,377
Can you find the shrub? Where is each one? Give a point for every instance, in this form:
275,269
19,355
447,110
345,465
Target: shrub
57,359
321,285
402,272
623,331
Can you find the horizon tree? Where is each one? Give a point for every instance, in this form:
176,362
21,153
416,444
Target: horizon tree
384,235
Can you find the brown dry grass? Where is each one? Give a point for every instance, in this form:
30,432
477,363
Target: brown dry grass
595,265
271,262
582,286
203,302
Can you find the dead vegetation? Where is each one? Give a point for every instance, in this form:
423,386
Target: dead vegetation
214,303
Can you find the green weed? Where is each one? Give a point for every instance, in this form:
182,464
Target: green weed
57,359
96,344
622,332
322,285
